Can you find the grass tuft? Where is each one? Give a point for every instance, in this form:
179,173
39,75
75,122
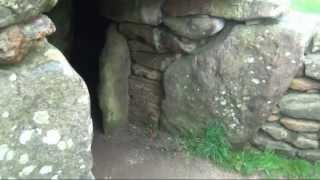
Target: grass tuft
213,145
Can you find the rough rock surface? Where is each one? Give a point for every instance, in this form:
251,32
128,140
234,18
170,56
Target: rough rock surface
301,106
114,74
229,9
16,11
46,128
16,40
236,78
160,39
312,66
195,27
138,11
158,62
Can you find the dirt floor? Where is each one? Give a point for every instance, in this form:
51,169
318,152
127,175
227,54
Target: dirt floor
131,154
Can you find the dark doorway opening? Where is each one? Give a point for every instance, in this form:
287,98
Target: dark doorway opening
88,41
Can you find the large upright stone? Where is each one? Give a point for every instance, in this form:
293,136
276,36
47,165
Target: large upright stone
301,106
230,9
114,74
16,11
138,11
46,128
16,40
236,78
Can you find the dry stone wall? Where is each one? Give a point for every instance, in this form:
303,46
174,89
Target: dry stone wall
294,126
194,62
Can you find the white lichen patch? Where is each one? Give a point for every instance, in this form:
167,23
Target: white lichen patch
39,131
52,137
5,114
70,143
250,60
55,177
13,77
41,117
24,159
287,54
3,151
26,136
255,81
62,145
10,155
27,170
45,170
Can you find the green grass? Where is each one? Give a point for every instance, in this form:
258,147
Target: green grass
212,145
310,6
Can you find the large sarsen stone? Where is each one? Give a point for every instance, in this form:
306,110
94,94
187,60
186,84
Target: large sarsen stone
236,78
46,128
114,74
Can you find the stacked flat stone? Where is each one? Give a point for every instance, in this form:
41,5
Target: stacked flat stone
194,62
46,129
294,126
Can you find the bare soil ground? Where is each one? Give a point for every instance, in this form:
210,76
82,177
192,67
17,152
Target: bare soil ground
131,154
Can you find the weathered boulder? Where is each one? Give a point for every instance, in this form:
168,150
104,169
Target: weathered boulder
16,40
114,74
160,39
301,106
62,16
16,11
195,27
237,10
300,125
304,84
237,78
138,11
312,66
46,128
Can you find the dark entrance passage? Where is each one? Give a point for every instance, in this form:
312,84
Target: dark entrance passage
89,37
